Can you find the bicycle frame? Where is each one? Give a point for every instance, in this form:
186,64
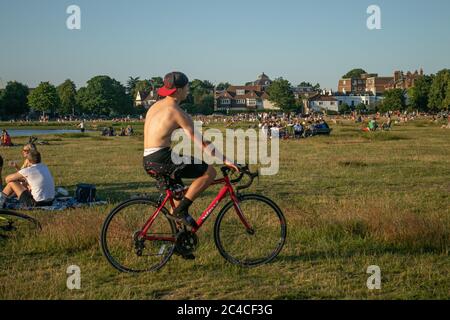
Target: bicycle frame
227,189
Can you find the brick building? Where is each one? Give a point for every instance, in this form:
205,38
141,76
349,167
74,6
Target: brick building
241,98
404,81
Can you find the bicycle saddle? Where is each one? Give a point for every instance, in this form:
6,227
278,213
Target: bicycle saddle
164,174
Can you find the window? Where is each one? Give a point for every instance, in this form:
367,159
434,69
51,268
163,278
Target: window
240,101
225,101
320,103
240,92
332,103
251,102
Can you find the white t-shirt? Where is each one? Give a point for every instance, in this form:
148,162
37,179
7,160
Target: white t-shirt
41,182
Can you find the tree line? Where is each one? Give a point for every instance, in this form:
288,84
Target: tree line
105,96
102,96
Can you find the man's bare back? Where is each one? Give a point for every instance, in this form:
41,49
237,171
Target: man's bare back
160,122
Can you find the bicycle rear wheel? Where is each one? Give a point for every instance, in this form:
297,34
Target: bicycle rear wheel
15,224
127,250
256,247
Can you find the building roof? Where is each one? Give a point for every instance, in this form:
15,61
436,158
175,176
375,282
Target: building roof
323,98
141,94
263,80
246,88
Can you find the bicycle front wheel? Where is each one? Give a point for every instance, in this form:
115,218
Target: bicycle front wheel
124,245
254,247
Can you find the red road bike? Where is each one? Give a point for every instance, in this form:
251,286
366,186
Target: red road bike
250,230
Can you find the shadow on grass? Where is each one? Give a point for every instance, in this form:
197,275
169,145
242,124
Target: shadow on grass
353,251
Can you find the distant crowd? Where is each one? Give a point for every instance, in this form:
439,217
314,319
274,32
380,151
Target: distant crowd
292,125
123,132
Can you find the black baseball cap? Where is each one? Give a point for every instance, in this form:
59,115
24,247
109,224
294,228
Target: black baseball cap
173,81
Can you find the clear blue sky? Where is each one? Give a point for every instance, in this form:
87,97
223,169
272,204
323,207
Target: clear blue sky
234,41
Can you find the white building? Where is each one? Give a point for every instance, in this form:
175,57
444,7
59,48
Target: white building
354,100
322,103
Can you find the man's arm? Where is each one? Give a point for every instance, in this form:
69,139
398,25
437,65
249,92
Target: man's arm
14,177
186,123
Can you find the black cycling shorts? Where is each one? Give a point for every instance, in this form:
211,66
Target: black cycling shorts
160,163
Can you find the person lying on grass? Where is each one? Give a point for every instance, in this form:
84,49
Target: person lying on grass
39,189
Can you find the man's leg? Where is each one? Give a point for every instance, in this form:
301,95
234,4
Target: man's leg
197,187
14,188
10,189
201,184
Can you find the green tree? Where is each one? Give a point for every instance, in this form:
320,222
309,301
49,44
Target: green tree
438,91
281,95
131,86
144,86
104,96
157,82
360,108
344,108
223,86
44,98
14,99
355,73
198,89
419,93
447,97
393,100
81,97
67,93
206,105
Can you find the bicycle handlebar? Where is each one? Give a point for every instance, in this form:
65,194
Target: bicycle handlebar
243,171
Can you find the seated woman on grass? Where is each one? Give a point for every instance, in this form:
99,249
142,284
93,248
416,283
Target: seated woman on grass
5,139
39,189
25,151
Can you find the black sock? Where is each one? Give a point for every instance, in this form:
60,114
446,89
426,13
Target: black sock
183,207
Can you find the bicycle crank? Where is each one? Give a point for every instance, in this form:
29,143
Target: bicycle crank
186,243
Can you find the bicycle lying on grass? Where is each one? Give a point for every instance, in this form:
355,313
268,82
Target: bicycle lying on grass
12,221
250,230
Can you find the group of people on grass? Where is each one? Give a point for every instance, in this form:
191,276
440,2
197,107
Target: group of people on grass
374,126
124,132
294,129
32,183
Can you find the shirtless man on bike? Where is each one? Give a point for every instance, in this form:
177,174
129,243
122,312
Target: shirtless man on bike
163,118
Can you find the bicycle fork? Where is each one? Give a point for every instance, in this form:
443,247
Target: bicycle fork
240,214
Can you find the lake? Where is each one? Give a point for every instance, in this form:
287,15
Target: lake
37,132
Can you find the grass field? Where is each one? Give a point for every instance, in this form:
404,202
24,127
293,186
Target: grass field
351,200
